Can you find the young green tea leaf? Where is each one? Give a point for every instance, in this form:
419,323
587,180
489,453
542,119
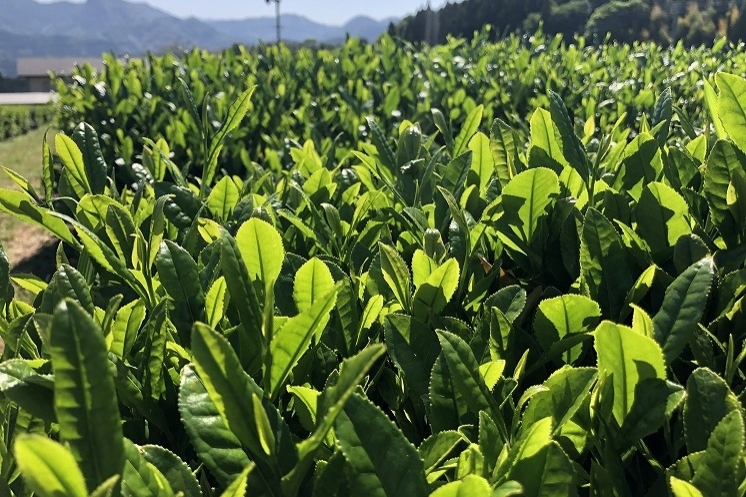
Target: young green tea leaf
293,339
120,227
5,288
422,267
681,488
640,165
655,400
48,467
231,390
261,249
437,290
223,198
471,125
572,147
547,471
712,109
216,302
96,169
239,486
482,163
502,146
471,485
330,404
313,281
723,162
662,218
630,359
85,397
32,391
125,327
47,170
533,440
396,275
106,489
72,285
546,146
662,115
469,388
566,390
526,201
561,316
74,167
236,114
731,106
20,206
435,449
244,299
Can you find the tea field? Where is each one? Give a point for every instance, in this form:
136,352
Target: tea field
484,269
16,120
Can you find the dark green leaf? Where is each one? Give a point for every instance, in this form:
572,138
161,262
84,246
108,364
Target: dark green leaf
683,307
383,462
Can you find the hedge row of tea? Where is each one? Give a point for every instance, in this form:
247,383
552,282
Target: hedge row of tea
18,120
455,304
326,95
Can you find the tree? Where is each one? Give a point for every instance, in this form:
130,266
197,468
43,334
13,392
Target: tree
566,17
624,20
277,18
738,29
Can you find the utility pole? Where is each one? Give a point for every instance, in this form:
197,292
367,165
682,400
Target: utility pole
277,19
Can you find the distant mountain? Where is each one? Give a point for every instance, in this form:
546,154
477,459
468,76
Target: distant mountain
298,28
32,29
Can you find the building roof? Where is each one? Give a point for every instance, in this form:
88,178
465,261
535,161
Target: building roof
29,67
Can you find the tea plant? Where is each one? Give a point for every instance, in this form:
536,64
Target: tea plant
441,313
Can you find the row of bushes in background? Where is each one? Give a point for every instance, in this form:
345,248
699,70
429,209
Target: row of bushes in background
16,120
325,95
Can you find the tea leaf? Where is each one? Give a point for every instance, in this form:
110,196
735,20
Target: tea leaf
217,447
683,307
292,340
48,467
313,281
605,275
85,397
717,472
731,106
708,401
382,460
629,358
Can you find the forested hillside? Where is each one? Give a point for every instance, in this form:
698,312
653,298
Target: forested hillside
664,21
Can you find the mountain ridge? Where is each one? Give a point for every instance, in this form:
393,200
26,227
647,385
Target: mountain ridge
32,29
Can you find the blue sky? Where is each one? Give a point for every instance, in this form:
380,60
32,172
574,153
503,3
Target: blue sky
326,11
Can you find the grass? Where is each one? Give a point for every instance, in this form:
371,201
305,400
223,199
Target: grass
23,155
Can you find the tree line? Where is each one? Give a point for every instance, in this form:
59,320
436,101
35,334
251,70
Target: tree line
692,22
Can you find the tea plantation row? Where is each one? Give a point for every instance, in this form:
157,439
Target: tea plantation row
18,120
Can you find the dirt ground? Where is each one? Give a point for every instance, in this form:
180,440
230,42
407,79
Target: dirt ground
31,250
